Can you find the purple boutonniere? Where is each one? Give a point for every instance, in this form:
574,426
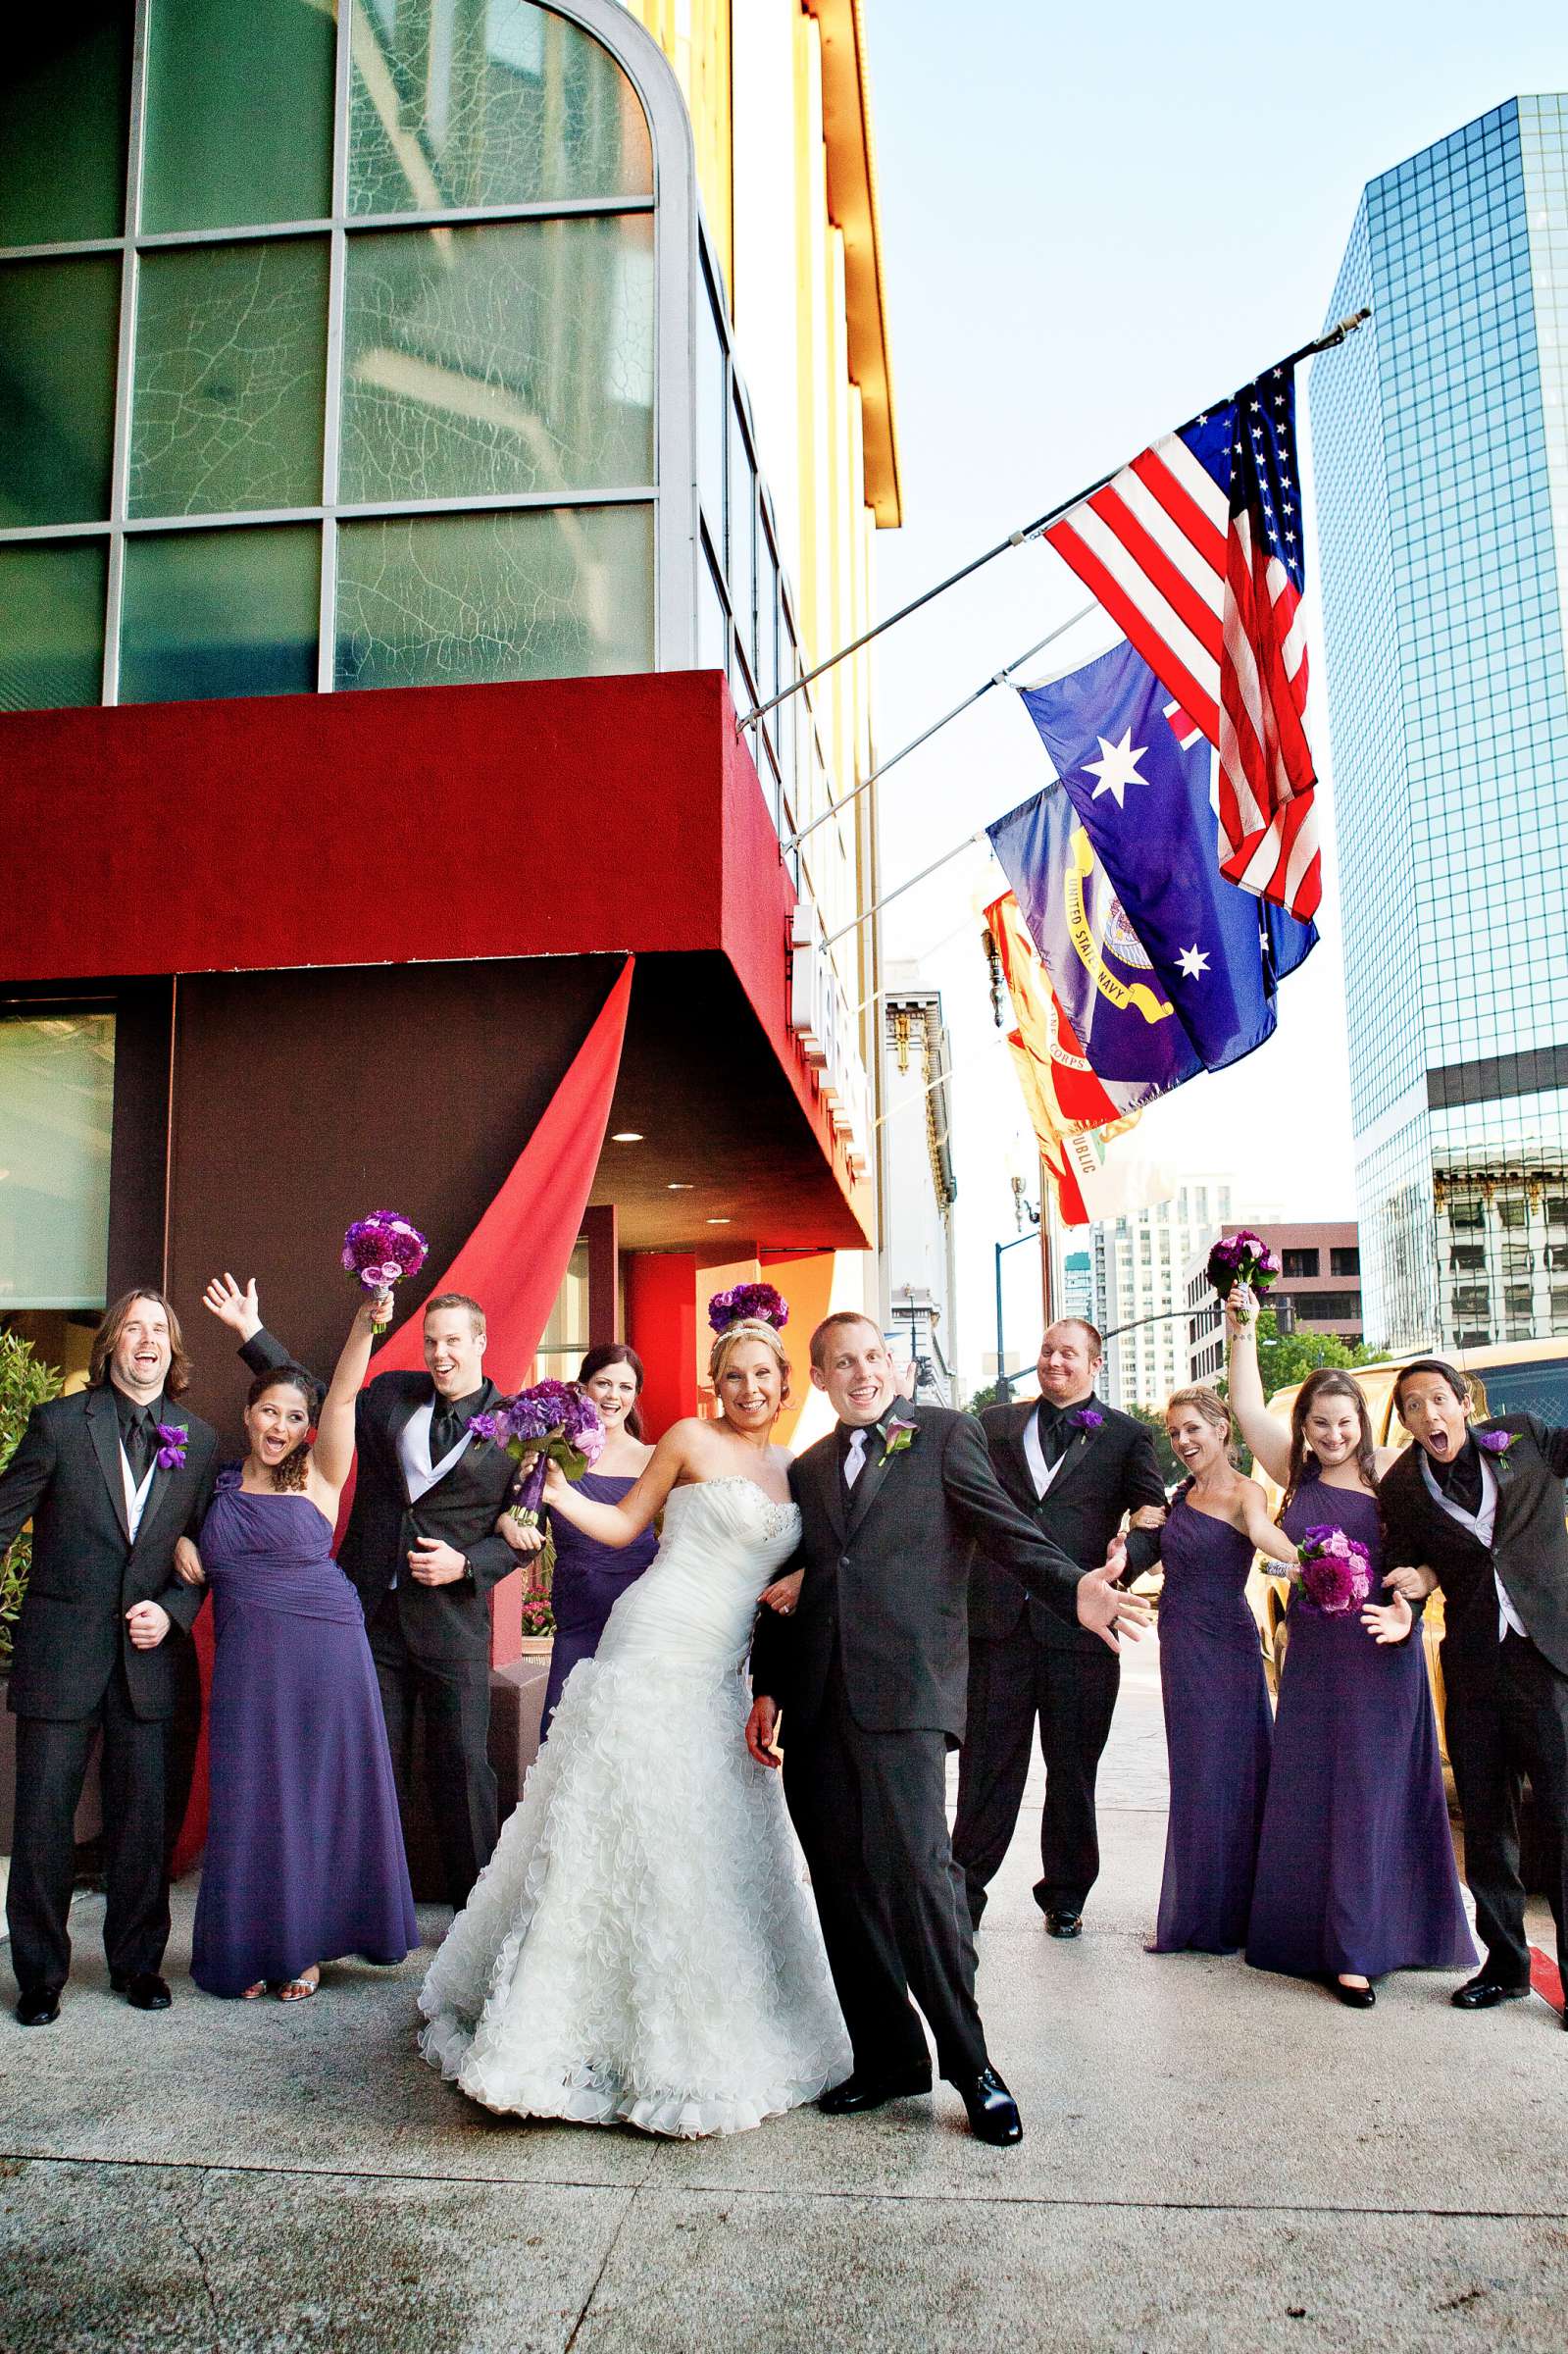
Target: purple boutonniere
173,1442
896,1436
1496,1442
1089,1417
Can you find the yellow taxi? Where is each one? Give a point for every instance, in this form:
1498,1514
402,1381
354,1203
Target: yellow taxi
1508,1377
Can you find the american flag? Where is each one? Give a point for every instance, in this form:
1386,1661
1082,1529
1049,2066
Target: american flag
1196,550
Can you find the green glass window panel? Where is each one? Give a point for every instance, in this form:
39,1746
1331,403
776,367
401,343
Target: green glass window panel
65,103
240,112
57,1101
59,332
503,103
229,377
540,593
219,613
506,359
51,623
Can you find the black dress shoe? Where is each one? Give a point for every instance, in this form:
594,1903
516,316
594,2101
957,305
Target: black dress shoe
144,1989
1354,1998
993,2110
857,2094
1062,1923
39,2006
1479,1994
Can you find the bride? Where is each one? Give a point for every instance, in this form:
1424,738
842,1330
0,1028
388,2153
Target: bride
640,1950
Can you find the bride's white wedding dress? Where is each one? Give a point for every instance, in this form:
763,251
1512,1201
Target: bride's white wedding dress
640,1949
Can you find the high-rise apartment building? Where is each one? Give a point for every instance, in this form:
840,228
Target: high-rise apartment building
1141,1265
1440,442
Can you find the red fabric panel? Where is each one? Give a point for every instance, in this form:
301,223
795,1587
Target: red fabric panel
514,1263
662,1327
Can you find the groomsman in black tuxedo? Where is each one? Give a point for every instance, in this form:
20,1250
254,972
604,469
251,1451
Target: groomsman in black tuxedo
1075,1467
422,1553
1477,1508
869,1670
111,1478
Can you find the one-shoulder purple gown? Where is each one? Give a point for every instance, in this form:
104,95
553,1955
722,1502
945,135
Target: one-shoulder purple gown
1216,1734
304,1847
1355,1868
589,1580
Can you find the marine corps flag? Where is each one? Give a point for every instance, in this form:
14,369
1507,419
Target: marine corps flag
1059,1082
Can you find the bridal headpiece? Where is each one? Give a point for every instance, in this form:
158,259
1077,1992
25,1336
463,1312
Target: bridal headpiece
748,1303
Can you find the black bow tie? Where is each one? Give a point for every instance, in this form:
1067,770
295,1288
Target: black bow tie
1460,1481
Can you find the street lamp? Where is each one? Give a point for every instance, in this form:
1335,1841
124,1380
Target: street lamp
1004,1379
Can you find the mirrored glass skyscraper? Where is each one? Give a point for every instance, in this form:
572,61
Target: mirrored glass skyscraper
1440,456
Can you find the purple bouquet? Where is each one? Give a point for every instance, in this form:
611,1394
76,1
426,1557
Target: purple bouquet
555,1422
748,1303
1243,1257
1336,1572
382,1249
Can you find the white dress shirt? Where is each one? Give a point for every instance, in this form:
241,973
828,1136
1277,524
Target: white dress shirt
1040,1471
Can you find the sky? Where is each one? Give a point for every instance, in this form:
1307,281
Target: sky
1096,222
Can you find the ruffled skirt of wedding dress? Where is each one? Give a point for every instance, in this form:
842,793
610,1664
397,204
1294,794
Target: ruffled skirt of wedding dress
640,1949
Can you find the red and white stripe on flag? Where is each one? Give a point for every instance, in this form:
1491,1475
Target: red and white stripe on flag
1218,620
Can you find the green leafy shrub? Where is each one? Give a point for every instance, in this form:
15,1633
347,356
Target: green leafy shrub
23,1384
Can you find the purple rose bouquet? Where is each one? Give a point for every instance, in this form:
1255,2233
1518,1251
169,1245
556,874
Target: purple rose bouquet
1243,1258
1336,1572
381,1250
748,1303
556,1422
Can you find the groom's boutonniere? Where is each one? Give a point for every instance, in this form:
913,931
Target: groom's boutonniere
173,1441
1497,1444
896,1436
1088,1417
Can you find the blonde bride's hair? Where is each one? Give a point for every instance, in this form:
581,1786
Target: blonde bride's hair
749,1328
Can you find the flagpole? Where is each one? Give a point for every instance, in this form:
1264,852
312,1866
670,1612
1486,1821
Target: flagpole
1025,532
998,678
888,898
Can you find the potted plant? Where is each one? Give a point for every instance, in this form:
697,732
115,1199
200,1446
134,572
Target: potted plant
23,1384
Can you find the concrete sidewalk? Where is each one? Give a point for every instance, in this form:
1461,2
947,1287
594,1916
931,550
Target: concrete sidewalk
1212,2157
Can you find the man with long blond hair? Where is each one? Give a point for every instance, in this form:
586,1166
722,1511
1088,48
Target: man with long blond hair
111,1478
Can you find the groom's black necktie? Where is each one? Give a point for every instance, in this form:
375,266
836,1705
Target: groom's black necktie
449,1419
137,1436
1055,1432
1460,1480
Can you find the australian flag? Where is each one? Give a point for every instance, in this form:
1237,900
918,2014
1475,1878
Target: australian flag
1163,966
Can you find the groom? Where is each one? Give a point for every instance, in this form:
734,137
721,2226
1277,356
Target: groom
872,1672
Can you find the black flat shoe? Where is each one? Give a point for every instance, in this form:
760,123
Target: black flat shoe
1354,1998
1479,1994
144,1989
1064,1924
993,2110
39,2006
857,2094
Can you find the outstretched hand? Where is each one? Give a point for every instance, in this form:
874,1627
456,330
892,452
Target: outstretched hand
1388,1621
239,1309
1104,1609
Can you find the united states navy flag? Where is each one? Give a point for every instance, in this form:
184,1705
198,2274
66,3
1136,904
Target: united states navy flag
1125,881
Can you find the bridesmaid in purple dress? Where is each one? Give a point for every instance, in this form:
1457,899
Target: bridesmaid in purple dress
1356,1873
304,1847
1218,1724
590,1577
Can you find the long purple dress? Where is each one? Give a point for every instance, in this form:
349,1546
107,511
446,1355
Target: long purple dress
1355,1868
304,1847
589,1580
1218,1732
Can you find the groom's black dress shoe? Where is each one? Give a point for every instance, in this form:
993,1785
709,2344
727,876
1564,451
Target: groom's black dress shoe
39,2006
1061,1924
1479,1994
144,1989
993,2110
856,2094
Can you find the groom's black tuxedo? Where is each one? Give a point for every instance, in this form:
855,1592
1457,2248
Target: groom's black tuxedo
1024,1661
869,1673
430,1644
1506,1694
77,1669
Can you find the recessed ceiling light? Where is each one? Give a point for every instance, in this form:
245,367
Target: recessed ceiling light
626,1136
718,1221
677,1185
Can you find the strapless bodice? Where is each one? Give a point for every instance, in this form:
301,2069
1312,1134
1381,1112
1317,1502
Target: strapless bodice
724,1540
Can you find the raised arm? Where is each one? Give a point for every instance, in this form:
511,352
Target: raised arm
333,1454
622,1523
241,1310
1553,1444
1268,1437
